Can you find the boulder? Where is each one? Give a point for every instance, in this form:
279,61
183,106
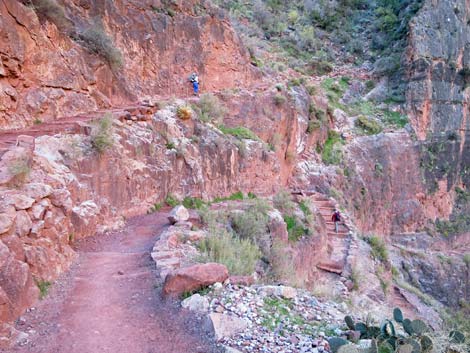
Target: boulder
178,214
196,303
280,291
20,201
6,221
227,325
38,191
192,278
23,223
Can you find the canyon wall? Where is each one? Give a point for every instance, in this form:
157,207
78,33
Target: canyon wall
98,54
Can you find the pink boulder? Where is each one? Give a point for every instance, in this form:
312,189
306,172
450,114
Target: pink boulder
192,278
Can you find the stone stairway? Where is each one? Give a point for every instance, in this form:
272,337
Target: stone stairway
338,243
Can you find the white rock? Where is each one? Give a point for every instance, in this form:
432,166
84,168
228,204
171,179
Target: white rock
226,325
196,303
178,214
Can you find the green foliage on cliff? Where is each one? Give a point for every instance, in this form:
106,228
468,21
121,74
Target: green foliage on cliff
97,41
378,248
102,134
53,12
239,132
332,149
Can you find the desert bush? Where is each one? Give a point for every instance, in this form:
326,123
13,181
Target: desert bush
98,42
238,254
53,12
211,109
332,149
378,248
282,265
193,202
295,228
102,133
184,112
279,99
369,126
172,201
43,288
20,170
283,201
239,132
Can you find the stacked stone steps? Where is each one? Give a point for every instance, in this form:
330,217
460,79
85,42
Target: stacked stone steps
338,243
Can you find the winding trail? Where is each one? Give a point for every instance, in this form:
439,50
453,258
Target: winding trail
109,302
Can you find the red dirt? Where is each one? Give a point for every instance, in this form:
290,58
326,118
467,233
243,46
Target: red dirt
111,302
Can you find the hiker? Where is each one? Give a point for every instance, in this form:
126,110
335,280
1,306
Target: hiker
323,346
194,79
336,217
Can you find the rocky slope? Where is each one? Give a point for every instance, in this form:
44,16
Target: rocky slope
55,62
89,58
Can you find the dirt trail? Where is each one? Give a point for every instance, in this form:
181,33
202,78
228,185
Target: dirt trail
109,302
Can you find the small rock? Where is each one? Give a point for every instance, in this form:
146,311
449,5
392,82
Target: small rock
196,303
178,214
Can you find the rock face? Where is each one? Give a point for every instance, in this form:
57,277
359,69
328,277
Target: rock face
438,63
194,277
47,70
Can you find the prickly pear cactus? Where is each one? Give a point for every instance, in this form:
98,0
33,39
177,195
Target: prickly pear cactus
350,323
419,327
388,329
397,315
408,327
426,344
456,337
385,347
413,343
361,327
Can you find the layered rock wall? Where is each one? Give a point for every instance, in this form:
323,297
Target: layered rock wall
48,70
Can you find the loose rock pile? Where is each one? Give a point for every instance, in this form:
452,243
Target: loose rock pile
267,318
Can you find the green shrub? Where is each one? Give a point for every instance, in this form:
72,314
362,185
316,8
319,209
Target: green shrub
20,169
43,288
193,202
155,207
172,201
98,42
378,248
279,99
170,145
102,133
282,265
239,132
332,150
235,196
395,118
295,228
283,201
369,126
211,109
239,255
252,223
